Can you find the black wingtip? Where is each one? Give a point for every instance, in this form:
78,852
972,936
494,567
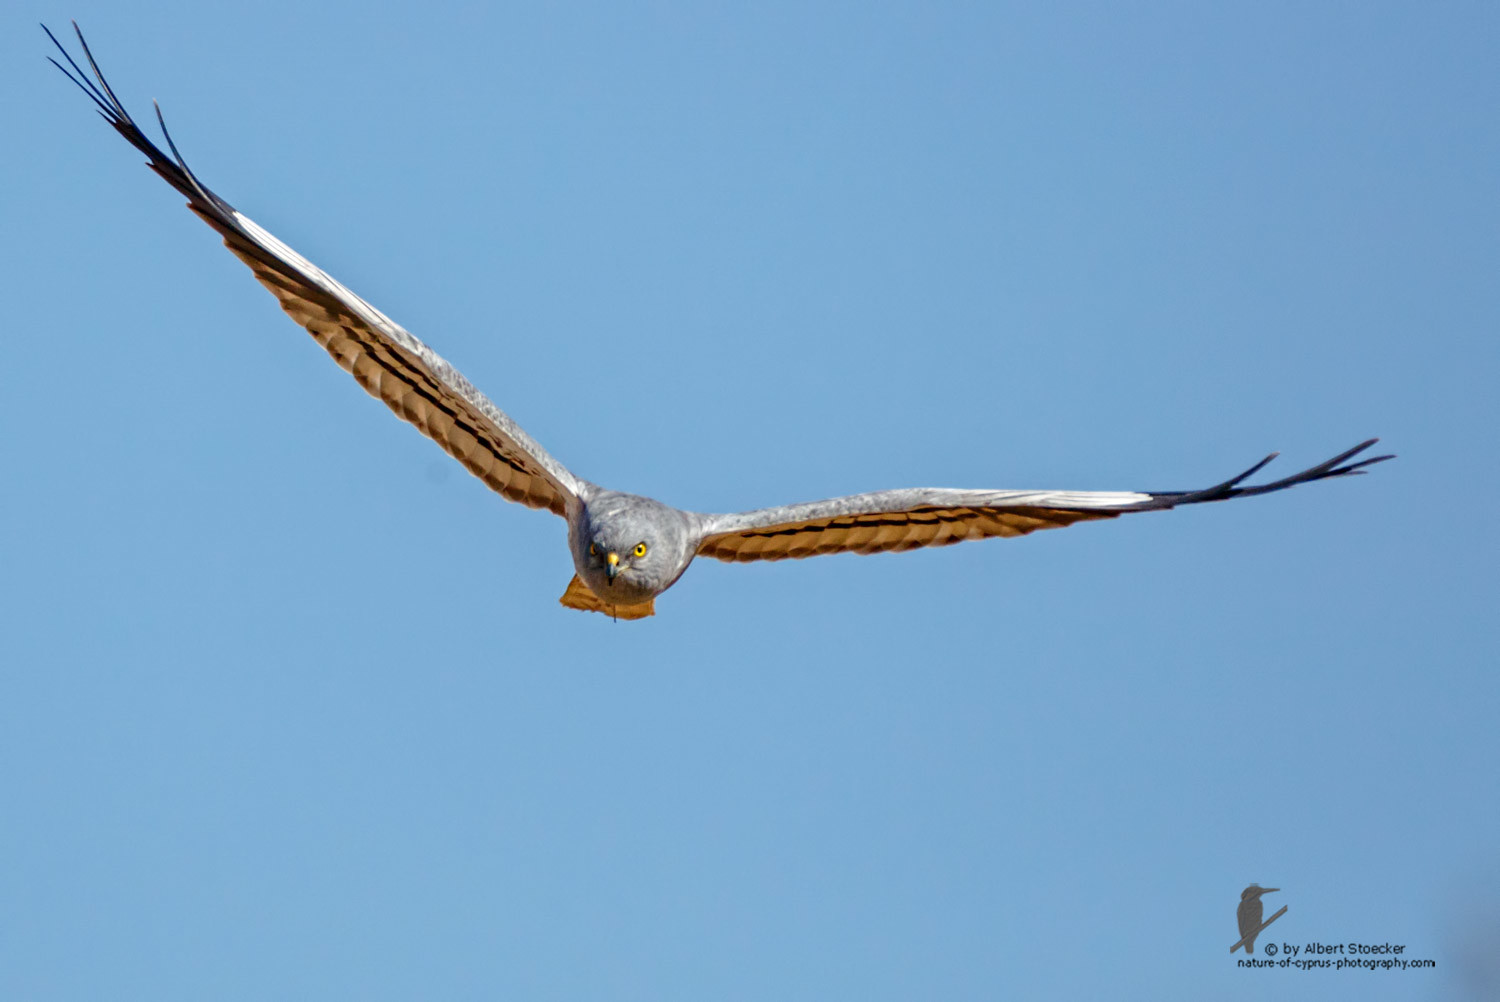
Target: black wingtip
1231,489
1359,466
182,163
112,112
171,167
115,103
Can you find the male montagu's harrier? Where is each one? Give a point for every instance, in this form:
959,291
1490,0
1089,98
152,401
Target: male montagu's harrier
626,549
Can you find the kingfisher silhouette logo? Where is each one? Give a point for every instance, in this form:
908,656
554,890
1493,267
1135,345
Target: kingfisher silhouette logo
1249,914
1311,954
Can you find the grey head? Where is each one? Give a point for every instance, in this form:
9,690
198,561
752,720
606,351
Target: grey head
1255,891
629,549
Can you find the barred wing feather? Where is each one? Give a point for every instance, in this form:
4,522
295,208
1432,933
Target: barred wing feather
395,367
892,521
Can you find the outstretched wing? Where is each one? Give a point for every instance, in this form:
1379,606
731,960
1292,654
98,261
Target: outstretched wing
412,379
908,519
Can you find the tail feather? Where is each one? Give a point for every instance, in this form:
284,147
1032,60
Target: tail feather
580,596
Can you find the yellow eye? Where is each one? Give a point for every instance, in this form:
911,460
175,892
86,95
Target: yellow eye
640,549
593,550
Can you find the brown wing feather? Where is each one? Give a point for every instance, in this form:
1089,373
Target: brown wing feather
887,532
404,384
410,378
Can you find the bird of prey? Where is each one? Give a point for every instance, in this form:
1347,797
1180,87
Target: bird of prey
1249,913
626,549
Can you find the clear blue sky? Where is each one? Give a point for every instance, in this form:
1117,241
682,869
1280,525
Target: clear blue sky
288,708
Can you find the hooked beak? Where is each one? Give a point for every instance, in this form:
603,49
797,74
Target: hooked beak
613,560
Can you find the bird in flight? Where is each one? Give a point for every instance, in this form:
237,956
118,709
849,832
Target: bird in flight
626,549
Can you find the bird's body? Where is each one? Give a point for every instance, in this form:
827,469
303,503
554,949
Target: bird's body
609,522
626,549
1250,912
